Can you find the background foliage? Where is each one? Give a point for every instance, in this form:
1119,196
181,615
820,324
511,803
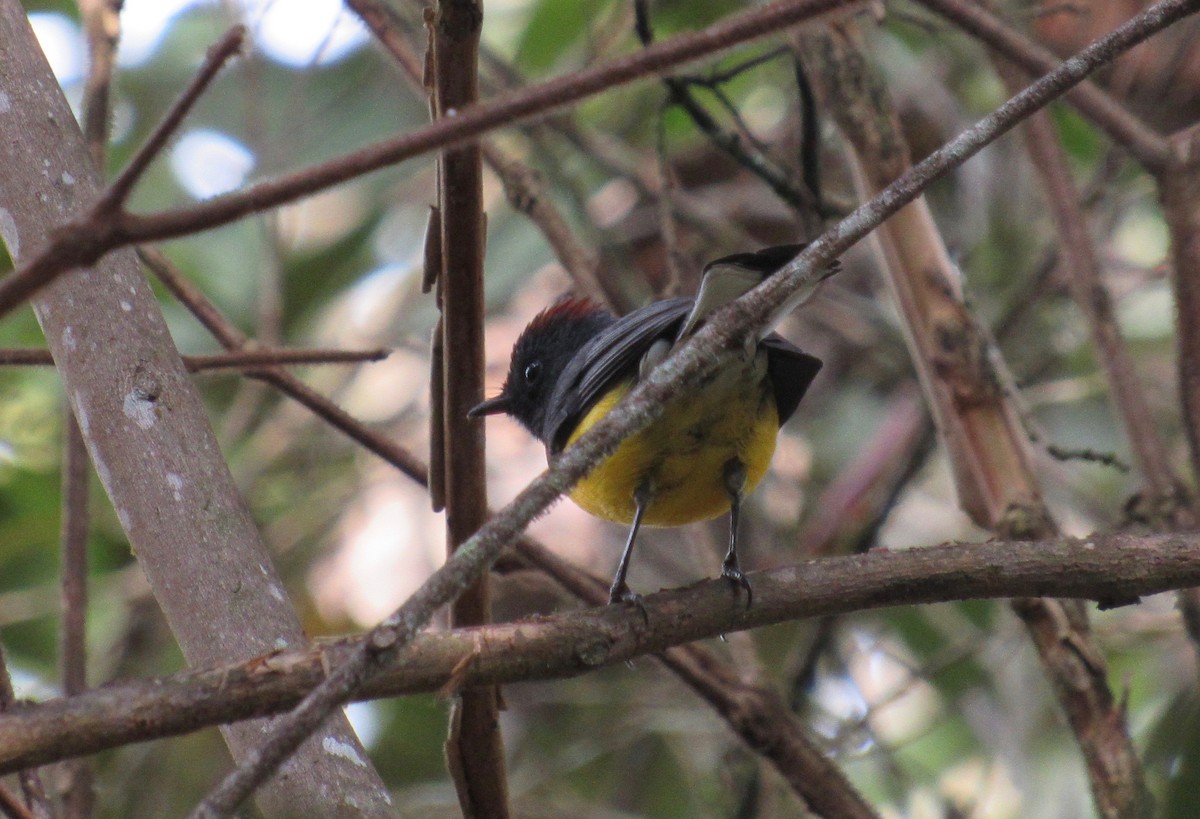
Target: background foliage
932,711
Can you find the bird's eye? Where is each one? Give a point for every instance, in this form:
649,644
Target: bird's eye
533,371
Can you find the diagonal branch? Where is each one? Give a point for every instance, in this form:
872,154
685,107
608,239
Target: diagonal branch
782,740
218,55
1121,125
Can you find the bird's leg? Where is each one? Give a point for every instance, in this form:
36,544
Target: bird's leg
620,591
735,484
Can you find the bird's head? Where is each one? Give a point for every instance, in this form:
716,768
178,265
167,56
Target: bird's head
539,357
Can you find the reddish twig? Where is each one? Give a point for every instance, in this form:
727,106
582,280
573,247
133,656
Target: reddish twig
78,794
474,748
249,359
854,503
12,807
113,200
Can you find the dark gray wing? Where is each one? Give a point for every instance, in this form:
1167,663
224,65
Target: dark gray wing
613,354
791,370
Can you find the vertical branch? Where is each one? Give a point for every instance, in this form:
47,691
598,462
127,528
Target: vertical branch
474,749
78,793
102,23
976,420
1179,189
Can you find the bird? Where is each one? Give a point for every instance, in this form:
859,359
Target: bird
710,447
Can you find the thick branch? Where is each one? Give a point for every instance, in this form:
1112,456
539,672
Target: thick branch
1104,566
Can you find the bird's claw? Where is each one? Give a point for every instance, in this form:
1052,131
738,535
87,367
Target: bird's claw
625,595
731,571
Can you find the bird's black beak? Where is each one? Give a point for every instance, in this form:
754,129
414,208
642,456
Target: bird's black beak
492,406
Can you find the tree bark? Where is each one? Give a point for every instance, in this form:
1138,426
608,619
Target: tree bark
149,437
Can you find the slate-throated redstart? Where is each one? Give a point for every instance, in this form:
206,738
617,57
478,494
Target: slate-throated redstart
710,447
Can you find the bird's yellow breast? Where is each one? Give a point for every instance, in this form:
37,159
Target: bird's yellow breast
683,456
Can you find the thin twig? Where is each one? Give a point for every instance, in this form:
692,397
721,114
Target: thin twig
248,359
113,199
254,358
78,793
11,806
679,93
854,503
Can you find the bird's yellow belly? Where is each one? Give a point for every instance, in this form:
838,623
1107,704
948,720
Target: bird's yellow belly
684,456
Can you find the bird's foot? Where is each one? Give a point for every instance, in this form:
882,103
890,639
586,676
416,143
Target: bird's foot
621,593
733,572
